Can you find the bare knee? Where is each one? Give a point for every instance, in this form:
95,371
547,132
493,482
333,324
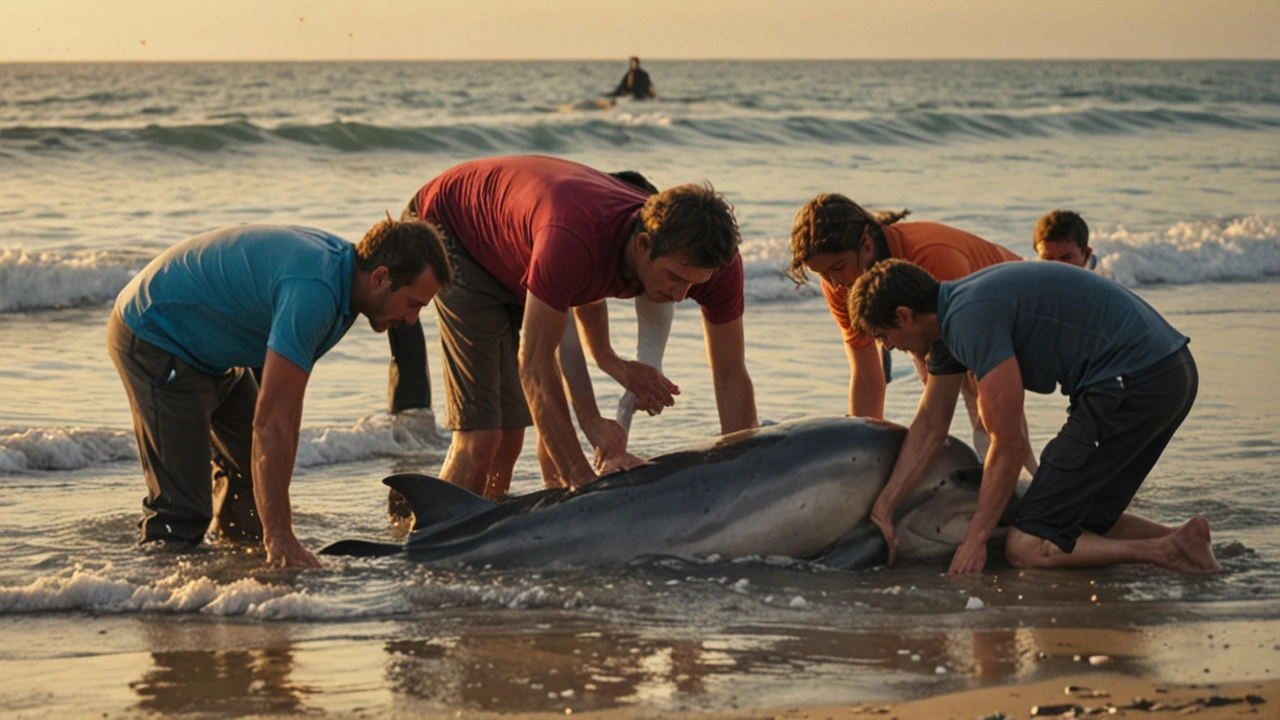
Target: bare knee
1024,550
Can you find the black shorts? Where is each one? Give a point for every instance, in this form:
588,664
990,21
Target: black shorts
1115,433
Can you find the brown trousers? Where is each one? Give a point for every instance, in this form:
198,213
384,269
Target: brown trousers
195,435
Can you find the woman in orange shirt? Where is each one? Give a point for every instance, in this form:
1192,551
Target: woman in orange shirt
837,240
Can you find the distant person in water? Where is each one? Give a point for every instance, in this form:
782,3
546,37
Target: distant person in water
838,240
1063,236
185,331
635,83
1040,326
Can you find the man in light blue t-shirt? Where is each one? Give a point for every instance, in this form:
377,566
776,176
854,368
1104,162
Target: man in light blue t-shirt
188,327
1037,326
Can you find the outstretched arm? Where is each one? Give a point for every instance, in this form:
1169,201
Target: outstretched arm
540,337
607,436
866,381
925,437
277,422
1000,398
653,391
735,395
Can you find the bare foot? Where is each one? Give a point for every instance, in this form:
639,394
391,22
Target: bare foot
1191,551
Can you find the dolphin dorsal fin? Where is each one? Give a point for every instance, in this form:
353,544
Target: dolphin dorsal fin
435,501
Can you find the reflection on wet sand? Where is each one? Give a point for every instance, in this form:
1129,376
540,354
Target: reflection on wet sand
233,682
536,667
580,671
227,669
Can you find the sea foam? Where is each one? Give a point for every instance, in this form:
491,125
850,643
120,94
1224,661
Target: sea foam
1221,250
39,281
374,436
99,590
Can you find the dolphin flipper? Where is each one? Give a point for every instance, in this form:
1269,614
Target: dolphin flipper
435,501
361,548
862,548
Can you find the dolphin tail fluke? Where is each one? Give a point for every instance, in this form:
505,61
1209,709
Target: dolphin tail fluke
862,548
435,501
361,548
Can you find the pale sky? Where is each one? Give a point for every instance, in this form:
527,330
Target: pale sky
140,30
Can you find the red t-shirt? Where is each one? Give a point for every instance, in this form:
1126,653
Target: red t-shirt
556,229
944,251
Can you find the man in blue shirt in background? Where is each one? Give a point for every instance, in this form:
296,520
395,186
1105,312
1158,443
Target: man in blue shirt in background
185,332
1034,326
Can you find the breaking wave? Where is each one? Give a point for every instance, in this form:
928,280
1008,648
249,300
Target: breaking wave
375,436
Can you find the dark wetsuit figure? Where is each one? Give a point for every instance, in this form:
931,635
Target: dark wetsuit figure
635,83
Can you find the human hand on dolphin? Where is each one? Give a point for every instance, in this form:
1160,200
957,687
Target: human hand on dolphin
652,389
970,557
609,439
625,461
883,519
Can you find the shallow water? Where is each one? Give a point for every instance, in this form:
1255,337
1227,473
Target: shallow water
1175,165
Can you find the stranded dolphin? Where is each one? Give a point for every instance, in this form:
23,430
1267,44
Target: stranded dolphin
802,489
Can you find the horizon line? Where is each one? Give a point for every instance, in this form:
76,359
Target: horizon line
136,61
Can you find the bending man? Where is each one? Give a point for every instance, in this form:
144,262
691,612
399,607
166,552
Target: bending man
185,331
533,237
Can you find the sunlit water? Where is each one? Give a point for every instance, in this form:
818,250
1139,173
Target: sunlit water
1175,165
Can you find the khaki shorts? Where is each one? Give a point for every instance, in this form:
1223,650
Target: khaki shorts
480,338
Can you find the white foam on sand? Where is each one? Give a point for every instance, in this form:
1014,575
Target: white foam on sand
374,436
99,590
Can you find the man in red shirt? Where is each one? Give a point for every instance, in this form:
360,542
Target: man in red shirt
532,237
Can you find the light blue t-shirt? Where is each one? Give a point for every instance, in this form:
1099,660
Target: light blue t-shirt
1066,326
221,299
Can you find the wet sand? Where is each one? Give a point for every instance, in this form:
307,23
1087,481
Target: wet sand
188,667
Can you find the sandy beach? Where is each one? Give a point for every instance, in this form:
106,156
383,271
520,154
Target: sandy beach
194,669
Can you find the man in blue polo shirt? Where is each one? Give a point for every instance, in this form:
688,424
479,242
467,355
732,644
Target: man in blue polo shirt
1034,326
188,327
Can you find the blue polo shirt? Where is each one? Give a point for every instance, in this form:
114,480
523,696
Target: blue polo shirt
1066,326
221,299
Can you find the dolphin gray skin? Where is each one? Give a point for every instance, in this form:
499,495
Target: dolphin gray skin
802,489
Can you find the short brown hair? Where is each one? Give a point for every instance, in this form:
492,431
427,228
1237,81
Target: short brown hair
886,286
694,220
405,248
832,223
1062,226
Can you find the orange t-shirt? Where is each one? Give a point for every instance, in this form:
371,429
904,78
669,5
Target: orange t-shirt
945,252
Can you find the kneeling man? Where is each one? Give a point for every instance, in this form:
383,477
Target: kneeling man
186,330
1016,326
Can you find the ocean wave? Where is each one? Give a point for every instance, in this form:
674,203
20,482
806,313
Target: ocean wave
573,131
764,265
375,436
1222,250
64,449
40,281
